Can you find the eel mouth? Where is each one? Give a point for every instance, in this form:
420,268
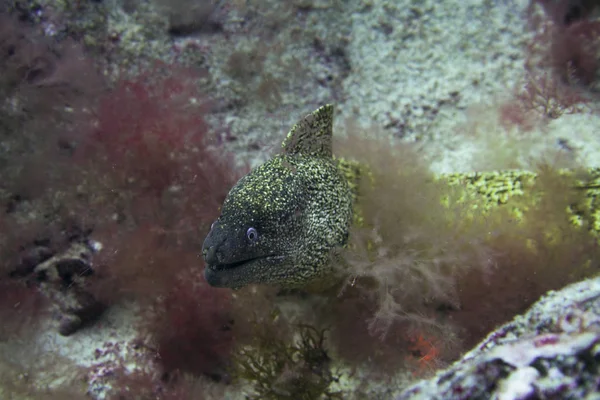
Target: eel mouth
238,274
222,267
235,265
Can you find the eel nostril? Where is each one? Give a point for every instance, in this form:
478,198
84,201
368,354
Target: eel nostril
210,255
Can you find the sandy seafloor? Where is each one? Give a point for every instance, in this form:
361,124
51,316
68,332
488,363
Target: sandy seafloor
407,58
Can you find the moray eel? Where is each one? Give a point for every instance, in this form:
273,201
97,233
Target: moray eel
281,222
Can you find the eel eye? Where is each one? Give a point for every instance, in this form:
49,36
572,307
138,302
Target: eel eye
252,234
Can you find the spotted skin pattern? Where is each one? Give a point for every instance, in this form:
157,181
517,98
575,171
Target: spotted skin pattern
280,223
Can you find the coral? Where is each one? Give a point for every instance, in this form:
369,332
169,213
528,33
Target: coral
28,370
550,351
135,264
296,368
152,127
186,322
402,346
151,180
23,247
576,52
129,371
549,98
145,125
60,279
193,328
138,171
44,84
44,78
415,224
513,115
566,42
566,12
562,66
450,257
426,351
551,228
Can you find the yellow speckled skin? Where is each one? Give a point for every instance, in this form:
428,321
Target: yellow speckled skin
298,207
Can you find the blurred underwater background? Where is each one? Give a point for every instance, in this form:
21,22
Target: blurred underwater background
465,139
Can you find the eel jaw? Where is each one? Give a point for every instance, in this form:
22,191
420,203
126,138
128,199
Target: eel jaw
238,274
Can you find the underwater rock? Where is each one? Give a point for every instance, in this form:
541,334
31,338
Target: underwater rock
551,351
190,18
30,258
61,280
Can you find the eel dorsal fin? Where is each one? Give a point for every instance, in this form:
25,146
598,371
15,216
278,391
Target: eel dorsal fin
312,135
